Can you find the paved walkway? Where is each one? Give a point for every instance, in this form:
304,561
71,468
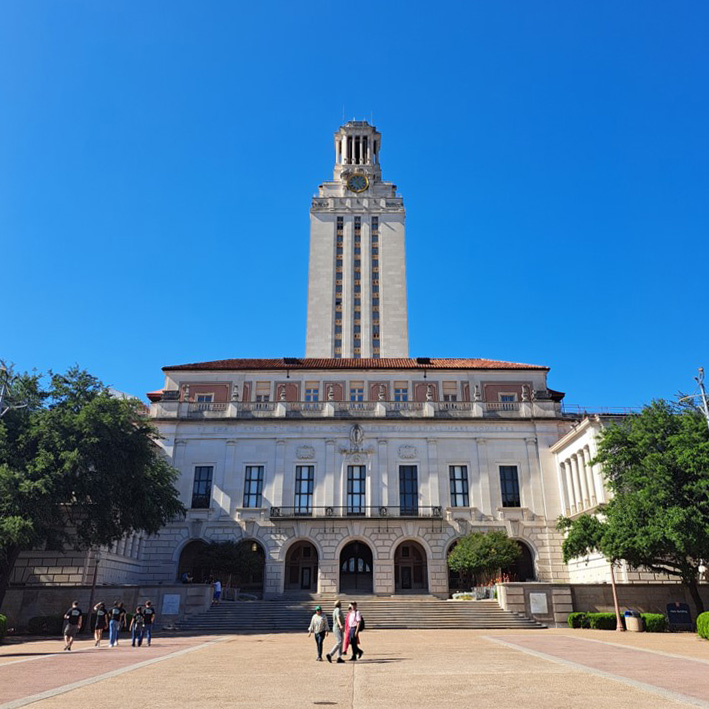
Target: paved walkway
411,669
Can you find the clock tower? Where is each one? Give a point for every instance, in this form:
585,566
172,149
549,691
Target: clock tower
357,275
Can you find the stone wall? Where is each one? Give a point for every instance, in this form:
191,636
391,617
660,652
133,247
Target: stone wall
21,604
548,603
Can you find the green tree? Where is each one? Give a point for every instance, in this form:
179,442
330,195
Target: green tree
78,468
656,465
481,555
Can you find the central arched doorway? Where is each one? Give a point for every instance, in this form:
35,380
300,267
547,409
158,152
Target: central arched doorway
249,575
302,567
356,568
410,568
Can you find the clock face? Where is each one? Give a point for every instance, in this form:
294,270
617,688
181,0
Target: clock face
357,183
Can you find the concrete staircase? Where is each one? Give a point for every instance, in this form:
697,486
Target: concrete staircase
407,612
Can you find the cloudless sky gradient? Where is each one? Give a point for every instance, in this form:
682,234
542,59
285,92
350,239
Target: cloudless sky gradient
157,161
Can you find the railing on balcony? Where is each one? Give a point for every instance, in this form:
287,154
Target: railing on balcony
203,409
355,409
376,511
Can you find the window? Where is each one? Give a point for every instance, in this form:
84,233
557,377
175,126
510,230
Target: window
204,398
202,487
375,302
507,401
253,485
358,328
338,328
357,391
401,393
304,476
312,394
408,490
356,479
509,483
263,391
459,485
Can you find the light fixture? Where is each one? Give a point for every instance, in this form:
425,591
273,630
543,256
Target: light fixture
254,547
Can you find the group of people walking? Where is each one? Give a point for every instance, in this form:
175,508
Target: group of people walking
346,629
113,619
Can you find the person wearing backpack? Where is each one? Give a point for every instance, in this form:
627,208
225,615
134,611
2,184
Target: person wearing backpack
353,626
137,627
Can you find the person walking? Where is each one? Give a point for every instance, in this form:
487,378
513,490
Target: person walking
320,628
338,628
101,622
137,627
149,616
352,627
217,592
73,621
116,619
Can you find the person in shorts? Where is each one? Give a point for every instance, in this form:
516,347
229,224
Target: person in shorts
101,622
72,624
149,616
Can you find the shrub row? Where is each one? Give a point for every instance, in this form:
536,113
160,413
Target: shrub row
703,625
3,626
654,622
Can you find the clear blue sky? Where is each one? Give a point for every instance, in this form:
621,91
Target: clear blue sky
157,161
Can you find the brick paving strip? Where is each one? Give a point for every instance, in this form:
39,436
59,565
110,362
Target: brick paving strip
678,678
31,679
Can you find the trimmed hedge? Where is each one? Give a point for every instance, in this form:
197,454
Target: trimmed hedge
654,622
602,621
3,626
578,620
703,625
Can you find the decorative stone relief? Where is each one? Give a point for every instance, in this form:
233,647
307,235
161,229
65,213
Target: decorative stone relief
305,452
407,452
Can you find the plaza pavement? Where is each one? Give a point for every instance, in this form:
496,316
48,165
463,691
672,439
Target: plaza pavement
409,669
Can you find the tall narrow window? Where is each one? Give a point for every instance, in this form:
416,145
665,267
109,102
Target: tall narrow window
459,485
356,480
304,477
202,487
509,483
253,485
408,490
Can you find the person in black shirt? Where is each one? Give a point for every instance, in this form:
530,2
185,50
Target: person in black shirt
101,622
149,616
137,627
72,624
116,620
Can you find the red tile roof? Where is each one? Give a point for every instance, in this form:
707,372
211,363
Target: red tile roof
295,363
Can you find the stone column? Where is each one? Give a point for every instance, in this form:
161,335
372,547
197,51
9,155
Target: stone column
186,479
578,459
281,487
576,485
330,496
535,492
565,486
382,464
434,478
586,457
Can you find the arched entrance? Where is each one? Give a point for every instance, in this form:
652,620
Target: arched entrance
302,567
410,568
455,582
523,568
191,566
356,568
249,576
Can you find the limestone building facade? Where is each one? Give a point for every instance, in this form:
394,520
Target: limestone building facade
356,468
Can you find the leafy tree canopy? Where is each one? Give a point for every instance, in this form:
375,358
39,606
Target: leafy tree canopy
656,465
78,467
480,555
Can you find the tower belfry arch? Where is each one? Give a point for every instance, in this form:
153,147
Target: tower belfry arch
357,274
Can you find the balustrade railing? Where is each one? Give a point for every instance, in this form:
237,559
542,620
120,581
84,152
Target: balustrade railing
374,511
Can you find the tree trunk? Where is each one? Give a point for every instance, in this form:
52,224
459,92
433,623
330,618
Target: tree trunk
618,620
10,554
693,588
